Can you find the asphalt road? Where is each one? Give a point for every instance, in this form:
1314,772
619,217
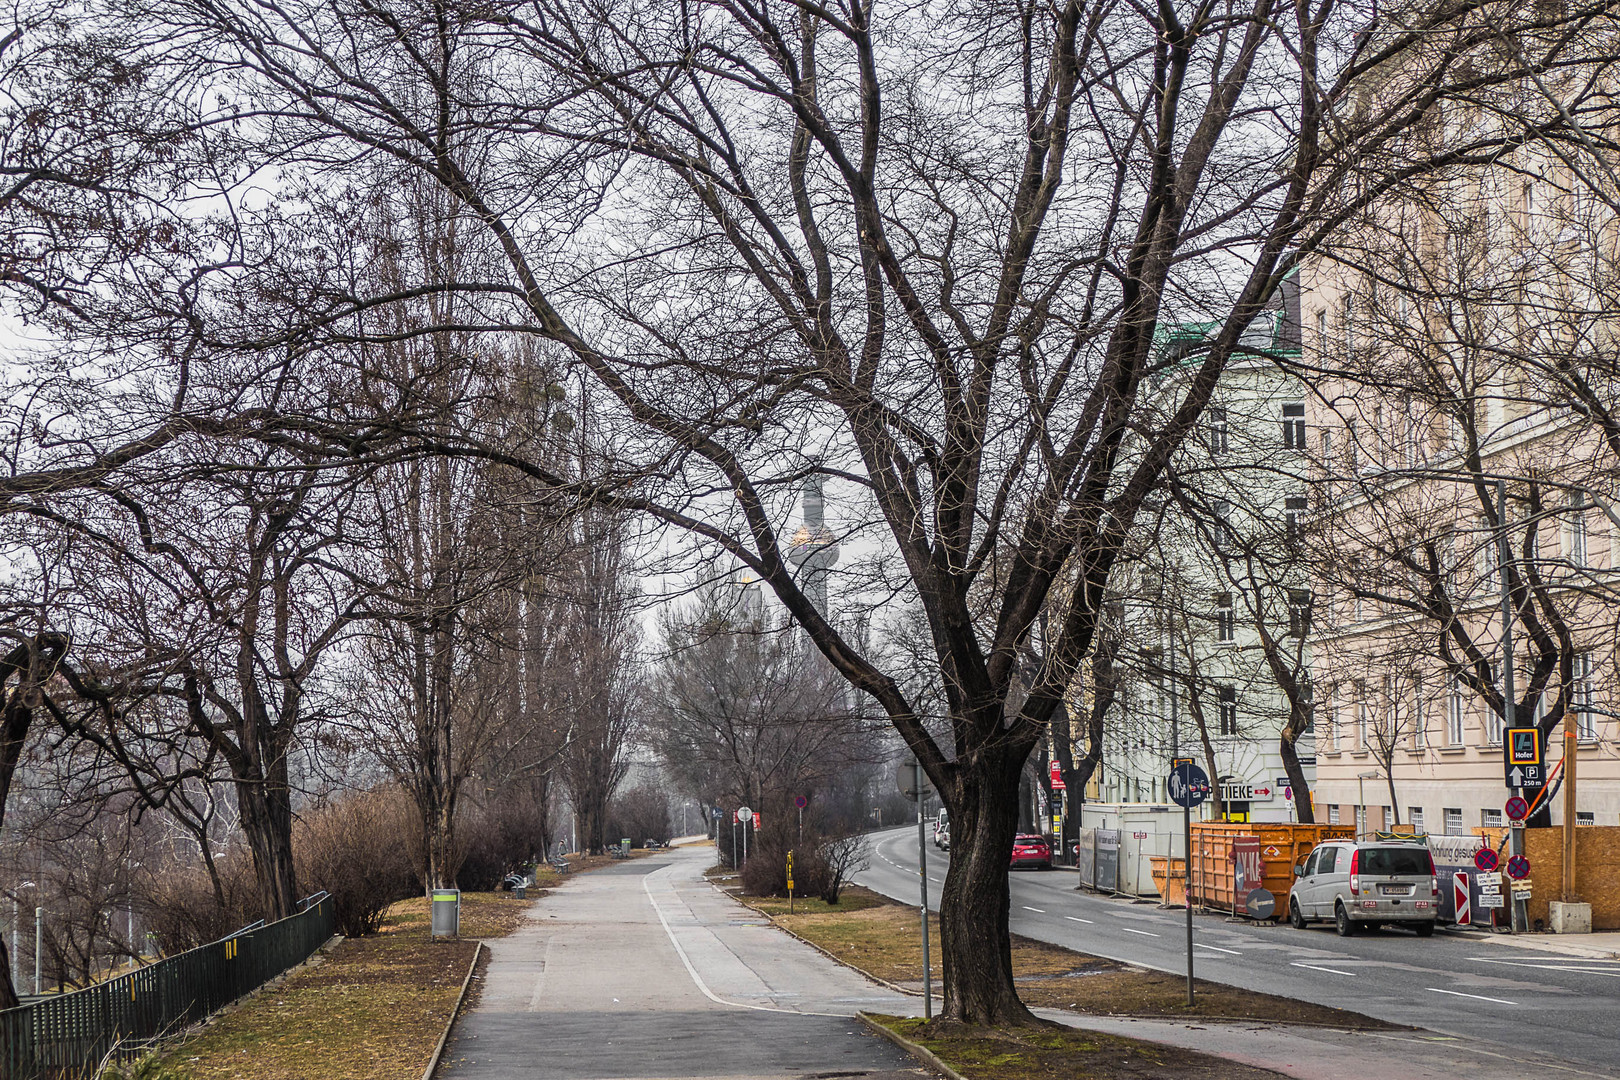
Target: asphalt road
1526,1006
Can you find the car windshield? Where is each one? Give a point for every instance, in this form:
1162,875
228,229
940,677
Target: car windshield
1028,840
1394,861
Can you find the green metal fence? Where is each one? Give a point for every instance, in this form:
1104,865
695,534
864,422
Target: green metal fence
66,1037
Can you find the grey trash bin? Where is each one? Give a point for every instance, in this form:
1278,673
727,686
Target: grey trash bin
446,913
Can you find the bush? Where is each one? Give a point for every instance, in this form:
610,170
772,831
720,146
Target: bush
641,813
506,833
822,864
356,850
180,907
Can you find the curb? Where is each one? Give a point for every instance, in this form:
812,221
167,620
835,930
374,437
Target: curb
444,1038
921,1053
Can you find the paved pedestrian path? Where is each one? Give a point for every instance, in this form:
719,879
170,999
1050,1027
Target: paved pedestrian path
642,970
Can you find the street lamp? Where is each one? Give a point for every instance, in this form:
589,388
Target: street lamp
1361,797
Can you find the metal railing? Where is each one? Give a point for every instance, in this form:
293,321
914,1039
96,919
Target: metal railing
68,1036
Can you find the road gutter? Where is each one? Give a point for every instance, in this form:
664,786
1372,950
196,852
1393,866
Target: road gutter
916,1050
444,1037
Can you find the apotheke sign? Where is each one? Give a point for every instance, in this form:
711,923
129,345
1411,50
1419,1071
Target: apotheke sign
1244,793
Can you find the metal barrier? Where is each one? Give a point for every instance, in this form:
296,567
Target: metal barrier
68,1036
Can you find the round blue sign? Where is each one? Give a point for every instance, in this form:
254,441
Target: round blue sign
1188,785
1518,868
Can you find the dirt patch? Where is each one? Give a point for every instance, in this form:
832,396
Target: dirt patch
873,933
1042,1053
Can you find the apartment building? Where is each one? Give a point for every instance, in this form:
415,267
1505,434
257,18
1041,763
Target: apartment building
1459,449
1216,598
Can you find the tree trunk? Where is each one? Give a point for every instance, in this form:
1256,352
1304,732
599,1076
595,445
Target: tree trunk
266,813
1304,806
976,945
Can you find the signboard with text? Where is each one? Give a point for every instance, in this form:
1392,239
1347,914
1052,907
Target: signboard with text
1522,760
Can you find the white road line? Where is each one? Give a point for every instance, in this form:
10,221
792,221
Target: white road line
1144,933
1076,918
1548,967
1330,971
646,886
1215,948
1476,997
1040,910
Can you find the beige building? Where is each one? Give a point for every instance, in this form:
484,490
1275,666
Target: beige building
1467,356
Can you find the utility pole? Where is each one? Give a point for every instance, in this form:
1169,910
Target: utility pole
1521,921
922,882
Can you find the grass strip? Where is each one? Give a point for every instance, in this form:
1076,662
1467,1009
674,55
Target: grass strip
1049,1052
880,937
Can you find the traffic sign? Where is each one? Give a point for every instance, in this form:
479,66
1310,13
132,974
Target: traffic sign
1486,859
718,813
1260,904
1516,809
1188,784
1057,777
1522,763
800,801
1518,867
1492,900
1492,880
744,815
905,777
1459,899
1520,887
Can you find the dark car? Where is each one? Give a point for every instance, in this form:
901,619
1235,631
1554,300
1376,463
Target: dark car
1031,850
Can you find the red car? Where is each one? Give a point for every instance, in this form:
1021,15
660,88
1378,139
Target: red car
1031,850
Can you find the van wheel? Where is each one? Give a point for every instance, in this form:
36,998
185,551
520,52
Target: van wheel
1424,929
1296,918
1342,923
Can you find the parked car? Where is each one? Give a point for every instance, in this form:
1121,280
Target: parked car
1031,850
942,829
1362,884
943,840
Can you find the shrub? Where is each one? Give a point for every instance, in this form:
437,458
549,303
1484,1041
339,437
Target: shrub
356,850
641,813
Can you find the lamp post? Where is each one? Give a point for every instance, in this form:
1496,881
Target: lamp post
1361,797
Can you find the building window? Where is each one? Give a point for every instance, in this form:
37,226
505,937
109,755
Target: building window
1580,698
1454,824
1217,432
1333,814
1493,719
1361,821
1321,329
1220,527
1363,719
1294,427
1299,612
1225,618
1454,714
1491,819
1415,814
1349,325
1228,710
1294,508
1585,817
1575,531
1420,719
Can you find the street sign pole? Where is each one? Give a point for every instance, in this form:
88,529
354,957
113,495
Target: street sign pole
1504,554
922,883
1186,846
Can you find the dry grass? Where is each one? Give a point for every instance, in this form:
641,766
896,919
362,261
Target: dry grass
1048,1053
370,1007
873,933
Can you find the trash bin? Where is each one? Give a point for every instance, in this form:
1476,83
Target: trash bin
446,909
521,892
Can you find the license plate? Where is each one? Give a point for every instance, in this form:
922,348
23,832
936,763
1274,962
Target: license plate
1395,890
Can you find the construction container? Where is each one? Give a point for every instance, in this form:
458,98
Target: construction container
1282,846
1145,830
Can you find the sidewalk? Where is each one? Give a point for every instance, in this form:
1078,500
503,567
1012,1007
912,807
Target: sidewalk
1604,945
642,970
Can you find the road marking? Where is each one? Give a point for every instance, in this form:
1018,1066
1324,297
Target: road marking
1144,933
1026,907
1330,971
1548,967
1216,948
1076,918
646,886
1476,997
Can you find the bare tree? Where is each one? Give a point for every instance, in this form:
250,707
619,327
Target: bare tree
925,254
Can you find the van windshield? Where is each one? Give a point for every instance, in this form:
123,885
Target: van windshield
1381,861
